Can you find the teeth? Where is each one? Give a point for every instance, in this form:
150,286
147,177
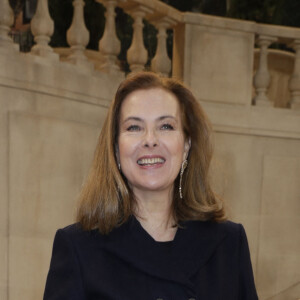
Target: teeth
150,161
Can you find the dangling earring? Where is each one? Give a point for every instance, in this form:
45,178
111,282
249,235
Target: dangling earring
183,166
119,166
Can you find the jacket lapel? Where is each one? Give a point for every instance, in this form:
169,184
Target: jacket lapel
195,242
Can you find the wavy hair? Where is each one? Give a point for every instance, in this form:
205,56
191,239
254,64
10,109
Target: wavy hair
106,200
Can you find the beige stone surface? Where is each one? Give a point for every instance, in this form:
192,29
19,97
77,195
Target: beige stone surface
236,166
50,116
45,191
68,81
220,65
291,293
259,180
280,65
3,204
156,9
257,121
3,266
29,264
279,229
285,34
217,61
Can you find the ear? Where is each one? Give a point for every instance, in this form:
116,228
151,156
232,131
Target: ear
187,147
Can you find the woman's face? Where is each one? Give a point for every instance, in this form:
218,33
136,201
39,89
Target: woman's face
151,142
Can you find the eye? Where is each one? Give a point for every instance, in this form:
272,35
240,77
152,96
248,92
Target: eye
167,127
134,128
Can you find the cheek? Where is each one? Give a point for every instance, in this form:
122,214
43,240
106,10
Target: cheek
175,148
127,148
124,149
178,144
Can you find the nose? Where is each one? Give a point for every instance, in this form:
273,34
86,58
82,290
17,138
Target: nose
150,139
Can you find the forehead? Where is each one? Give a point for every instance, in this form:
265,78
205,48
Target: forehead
149,103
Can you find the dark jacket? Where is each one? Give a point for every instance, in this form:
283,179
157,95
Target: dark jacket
206,260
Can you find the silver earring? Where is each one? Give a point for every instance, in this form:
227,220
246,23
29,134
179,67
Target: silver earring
183,166
119,166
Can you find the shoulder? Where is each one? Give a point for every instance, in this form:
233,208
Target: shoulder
227,227
74,233
230,236
230,227
226,231
73,229
234,233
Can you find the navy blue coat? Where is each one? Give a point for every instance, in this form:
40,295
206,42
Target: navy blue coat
206,260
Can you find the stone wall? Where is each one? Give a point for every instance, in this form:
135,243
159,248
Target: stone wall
50,117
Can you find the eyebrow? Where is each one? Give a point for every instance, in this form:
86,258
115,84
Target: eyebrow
141,120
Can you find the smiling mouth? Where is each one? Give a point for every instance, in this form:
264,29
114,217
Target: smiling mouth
150,161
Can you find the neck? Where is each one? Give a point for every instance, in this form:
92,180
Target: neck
154,212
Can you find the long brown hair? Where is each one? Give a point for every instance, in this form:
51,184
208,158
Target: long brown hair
106,200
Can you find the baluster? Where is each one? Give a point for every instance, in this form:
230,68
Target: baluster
78,37
294,83
110,45
6,20
137,54
42,27
262,77
161,63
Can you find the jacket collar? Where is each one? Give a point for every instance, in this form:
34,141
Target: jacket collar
193,245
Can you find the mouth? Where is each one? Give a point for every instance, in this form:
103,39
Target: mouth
150,161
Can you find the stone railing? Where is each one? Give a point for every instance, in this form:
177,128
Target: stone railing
157,13
266,35
215,56
164,17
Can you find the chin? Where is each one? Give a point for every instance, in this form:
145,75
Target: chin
152,187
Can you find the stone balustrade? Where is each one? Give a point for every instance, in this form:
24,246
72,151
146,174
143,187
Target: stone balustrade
162,17
266,36
78,37
110,45
42,28
262,77
6,20
159,14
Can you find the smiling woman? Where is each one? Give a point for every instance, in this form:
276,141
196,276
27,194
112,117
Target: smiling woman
138,94
149,225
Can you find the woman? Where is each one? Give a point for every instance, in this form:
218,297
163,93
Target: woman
149,225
